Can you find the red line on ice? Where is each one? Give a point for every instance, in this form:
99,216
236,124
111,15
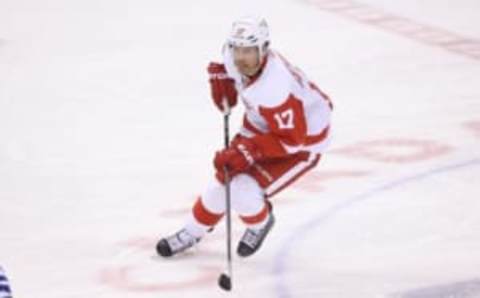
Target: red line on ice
411,29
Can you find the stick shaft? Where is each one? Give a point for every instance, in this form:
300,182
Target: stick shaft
227,198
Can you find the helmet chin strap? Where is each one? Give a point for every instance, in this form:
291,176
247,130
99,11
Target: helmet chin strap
262,57
260,61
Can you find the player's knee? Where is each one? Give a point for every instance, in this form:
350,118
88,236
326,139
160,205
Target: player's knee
214,196
246,194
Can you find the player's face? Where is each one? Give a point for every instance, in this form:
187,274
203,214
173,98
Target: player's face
247,60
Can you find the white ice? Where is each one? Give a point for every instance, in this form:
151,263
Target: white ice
107,134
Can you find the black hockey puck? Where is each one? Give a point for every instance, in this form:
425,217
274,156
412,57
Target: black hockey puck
225,282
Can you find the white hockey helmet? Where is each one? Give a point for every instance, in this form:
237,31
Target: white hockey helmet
250,32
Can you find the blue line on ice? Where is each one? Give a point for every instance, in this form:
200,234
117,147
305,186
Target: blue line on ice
298,234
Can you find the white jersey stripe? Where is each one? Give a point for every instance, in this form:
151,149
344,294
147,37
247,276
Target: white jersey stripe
291,174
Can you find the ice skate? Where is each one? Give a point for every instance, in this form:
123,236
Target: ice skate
176,243
252,239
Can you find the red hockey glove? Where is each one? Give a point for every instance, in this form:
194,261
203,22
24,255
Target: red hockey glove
238,158
221,86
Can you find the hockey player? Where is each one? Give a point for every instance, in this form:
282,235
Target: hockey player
285,130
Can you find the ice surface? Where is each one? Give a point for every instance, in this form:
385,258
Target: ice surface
107,135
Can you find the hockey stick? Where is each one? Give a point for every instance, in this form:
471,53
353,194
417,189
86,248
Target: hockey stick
225,279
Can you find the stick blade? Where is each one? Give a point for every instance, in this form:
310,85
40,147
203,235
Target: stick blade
225,282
